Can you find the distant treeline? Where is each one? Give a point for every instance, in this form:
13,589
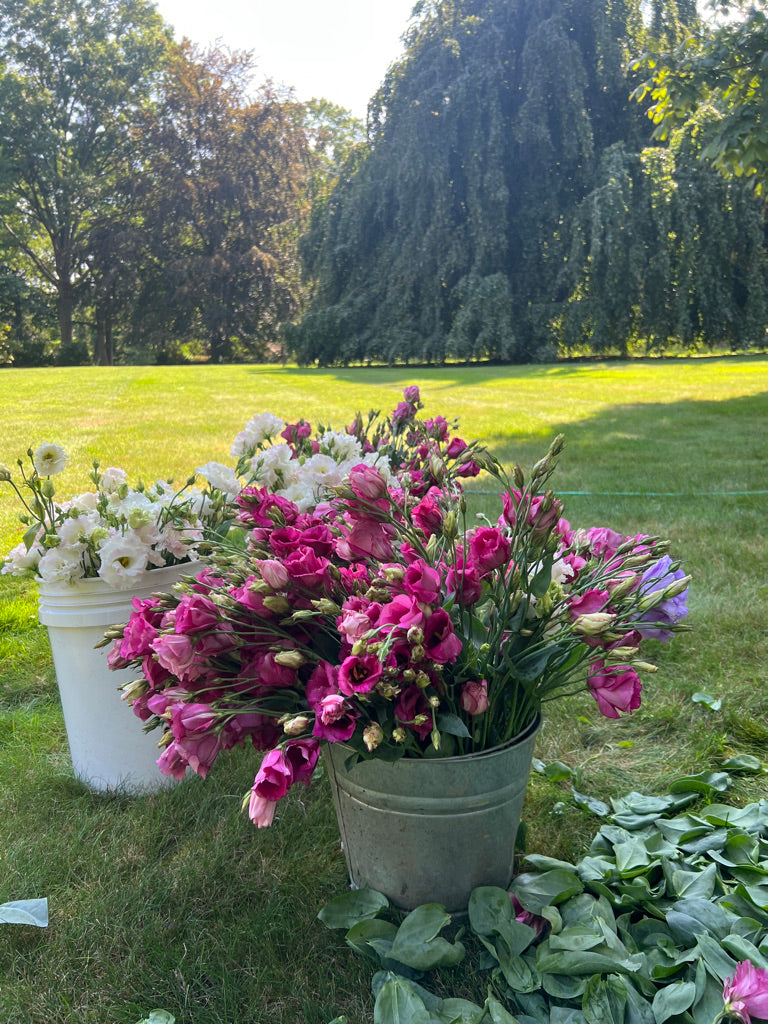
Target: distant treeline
508,202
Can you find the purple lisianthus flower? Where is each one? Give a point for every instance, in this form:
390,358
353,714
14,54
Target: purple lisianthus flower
669,611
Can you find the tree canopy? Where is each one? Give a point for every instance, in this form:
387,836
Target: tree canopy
716,76
505,185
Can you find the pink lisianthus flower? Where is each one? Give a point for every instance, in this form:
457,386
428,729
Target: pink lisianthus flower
615,691
474,697
359,674
200,751
367,538
455,447
411,704
302,756
428,516
358,616
440,642
603,542
422,582
489,549
335,720
590,602
464,580
367,482
746,994
195,613
173,762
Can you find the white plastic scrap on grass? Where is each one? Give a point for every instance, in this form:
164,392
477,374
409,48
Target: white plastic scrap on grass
33,912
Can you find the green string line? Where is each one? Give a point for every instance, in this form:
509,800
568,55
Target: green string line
644,494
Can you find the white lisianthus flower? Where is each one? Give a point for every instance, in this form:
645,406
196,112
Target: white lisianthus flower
82,502
270,467
78,529
60,565
134,504
260,428
303,493
322,469
112,479
180,543
49,459
18,561
341,446
123,560
221,477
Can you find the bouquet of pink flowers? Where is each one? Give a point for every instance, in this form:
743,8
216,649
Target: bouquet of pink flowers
381,618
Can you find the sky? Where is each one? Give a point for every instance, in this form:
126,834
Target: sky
335,49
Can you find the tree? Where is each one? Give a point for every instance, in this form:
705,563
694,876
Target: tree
221,190
446,237
73,76
720,70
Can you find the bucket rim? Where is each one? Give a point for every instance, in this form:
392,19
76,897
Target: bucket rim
528,733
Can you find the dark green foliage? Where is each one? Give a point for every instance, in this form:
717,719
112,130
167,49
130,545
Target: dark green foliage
507,205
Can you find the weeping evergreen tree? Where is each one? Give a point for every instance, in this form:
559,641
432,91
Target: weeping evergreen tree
463,229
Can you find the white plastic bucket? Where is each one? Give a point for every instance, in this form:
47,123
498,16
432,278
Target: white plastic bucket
109,749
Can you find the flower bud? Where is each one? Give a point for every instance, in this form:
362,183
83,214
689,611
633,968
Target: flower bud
450,530
290,659
644,666
593,624
326,607
5,474
422,680
296,726
47,489
133,690
277,604
398,735
415,635
435,737
373,734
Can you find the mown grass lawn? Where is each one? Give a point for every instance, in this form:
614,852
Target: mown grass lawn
175,900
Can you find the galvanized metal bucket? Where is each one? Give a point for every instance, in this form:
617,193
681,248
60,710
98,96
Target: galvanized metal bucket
427,830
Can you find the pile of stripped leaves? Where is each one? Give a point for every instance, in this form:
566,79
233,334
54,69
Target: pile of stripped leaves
671,896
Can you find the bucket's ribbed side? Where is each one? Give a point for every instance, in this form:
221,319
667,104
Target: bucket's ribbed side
108,746
431,830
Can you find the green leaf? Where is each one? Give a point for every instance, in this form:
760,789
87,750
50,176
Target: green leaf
397,1003
538,891
555,771
561,986
688,919
346,910
743,763
417,943
713,703
715,958
491,912
706,783
499,1014
360,936
542,863
452,725
585,962
597,807
604,1000
459,1011
672,1000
